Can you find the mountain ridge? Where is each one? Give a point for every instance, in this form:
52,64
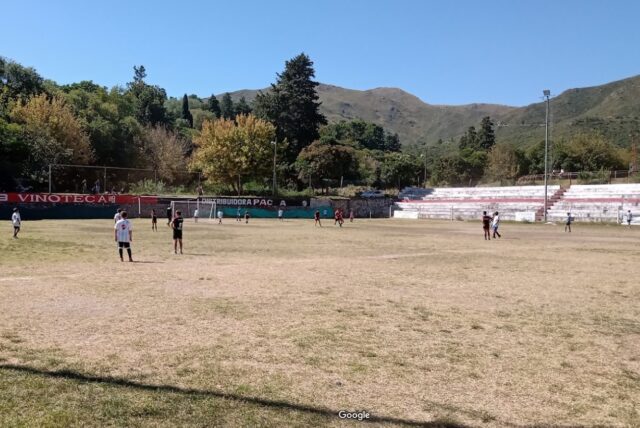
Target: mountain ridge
612,109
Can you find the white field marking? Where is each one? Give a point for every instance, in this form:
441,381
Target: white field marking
29,278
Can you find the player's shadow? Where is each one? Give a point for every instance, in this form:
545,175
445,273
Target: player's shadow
276,404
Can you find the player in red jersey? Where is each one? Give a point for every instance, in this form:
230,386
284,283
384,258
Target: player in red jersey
486,225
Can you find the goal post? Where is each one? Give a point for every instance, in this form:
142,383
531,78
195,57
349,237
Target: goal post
188,207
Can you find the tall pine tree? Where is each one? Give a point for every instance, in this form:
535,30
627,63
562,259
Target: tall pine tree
242,107
486,135
186,113
292,106
226,107
213,105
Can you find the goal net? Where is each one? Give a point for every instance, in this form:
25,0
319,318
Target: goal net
188,208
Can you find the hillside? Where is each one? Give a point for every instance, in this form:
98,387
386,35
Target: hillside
613,109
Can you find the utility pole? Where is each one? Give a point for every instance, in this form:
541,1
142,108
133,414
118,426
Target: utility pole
275,154
546,94
425,165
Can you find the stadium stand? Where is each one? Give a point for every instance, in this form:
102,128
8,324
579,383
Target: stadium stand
469,202
598,203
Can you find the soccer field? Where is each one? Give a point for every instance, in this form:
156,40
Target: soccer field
283,323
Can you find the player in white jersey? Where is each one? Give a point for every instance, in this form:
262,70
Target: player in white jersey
123,232
118,216
16,221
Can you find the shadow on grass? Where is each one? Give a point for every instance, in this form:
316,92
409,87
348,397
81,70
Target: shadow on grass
274,404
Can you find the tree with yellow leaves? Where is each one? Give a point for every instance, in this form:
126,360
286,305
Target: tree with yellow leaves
230,152
53,132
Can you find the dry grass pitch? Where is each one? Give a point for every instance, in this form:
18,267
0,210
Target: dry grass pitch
281,324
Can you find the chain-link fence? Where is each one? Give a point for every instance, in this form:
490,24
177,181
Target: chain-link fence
63,178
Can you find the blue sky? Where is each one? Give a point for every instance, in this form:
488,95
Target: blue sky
445,52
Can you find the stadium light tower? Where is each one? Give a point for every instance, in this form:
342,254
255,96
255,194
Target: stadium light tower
546,94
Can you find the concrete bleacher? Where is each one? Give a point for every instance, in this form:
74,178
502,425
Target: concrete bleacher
598,203
469,202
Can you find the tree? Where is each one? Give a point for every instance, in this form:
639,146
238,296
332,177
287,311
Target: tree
213,105
392,143
469,140
322,161
399,170
186,114
18,82
229,151
447,170
503,163
164,151
227,110
591,152
53,133
486,136
149,100
292,106
242,107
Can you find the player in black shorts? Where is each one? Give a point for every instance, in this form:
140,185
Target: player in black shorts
486,225
169,213
316,218
154,220
176,225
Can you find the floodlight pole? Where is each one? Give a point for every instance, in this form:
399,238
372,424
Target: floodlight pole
275,154
546,93
425,165
50,179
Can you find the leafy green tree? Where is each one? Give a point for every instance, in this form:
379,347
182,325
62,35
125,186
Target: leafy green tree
228,152
320,162
213,105
447,171
399,170
186,113
392,143
109,119
227,109
591,152
17,83
149,100
292,106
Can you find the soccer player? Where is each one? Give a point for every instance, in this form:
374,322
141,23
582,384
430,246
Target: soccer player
154,220
169,215
629,218
220,215
118,216
486,224
247,216
195,215
16,221
280,214
567,225
239,214
316,218
351,215
123,234
495,223
176,225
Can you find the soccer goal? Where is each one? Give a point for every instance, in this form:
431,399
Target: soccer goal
188,208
